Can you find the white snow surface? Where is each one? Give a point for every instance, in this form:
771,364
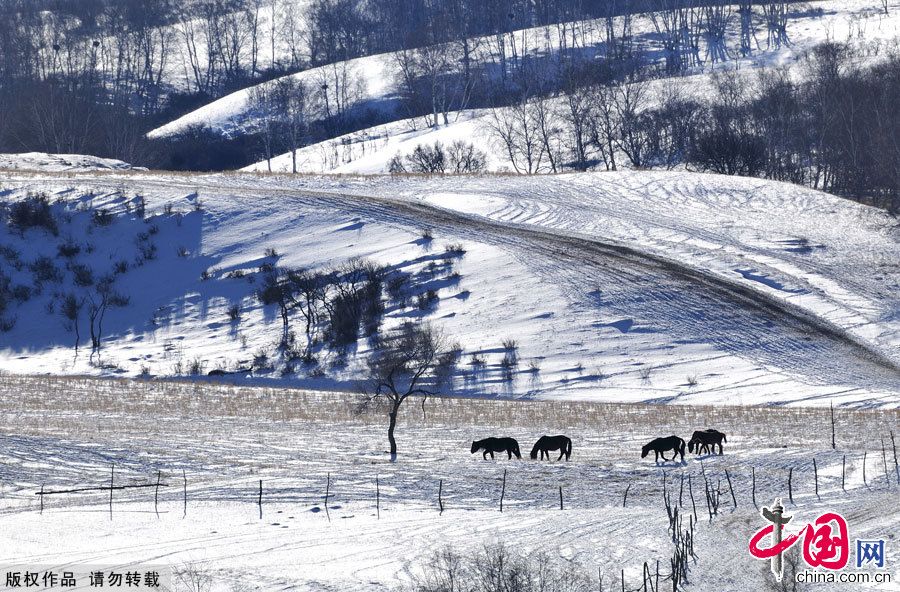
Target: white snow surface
859,22
728,290
213,446
42,161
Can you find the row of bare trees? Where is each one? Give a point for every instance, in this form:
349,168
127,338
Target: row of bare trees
835,129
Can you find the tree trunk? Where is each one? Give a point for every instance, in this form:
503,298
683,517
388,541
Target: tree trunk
391,425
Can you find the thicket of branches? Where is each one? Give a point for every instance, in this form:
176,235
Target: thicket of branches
836,128
93,75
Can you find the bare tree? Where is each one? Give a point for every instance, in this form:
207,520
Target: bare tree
292,105
263,102
630,103
413,360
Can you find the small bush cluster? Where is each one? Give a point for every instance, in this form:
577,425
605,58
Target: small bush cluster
494,568
459,158
33,212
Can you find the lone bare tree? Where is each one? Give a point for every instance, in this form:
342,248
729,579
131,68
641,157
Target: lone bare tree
413,360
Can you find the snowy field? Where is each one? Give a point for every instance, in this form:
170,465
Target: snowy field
67,432
763,293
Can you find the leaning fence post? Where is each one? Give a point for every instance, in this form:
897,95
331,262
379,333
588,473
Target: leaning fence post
156,494
441,497
560,498
503,490
887,477
753,487
259,500
327,490
731,489
184,477
377,499
865,452
790,484
816,476
691,492
625,499
42,499
896,466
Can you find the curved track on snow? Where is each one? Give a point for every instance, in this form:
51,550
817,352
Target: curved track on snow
694,303
602,278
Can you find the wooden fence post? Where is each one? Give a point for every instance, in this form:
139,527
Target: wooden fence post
560,498
503,490
691,492
441,497
377,499
112,477
866,483
156,494
625,499
816,476
896,466
831,404
259,499
184,478
887,478
731,489
327,491
42,499
843,472
790,484
753,487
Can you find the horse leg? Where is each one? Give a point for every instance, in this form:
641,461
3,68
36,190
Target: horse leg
492,455
562,451
485,455
508,454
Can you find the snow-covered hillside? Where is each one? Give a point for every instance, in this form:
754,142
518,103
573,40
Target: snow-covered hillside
859,22
41,161
629,286
369,151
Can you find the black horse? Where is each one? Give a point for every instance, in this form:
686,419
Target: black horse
492,445
547,443
660,445
702,440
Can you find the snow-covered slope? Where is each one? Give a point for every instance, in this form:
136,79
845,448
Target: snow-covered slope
41,161
858,21
628,286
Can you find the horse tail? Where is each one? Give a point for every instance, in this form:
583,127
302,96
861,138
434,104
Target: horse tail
568,448
681,446
724,439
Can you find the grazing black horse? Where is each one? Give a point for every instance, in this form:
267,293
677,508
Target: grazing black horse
660,445
702,440
492,445
547,443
